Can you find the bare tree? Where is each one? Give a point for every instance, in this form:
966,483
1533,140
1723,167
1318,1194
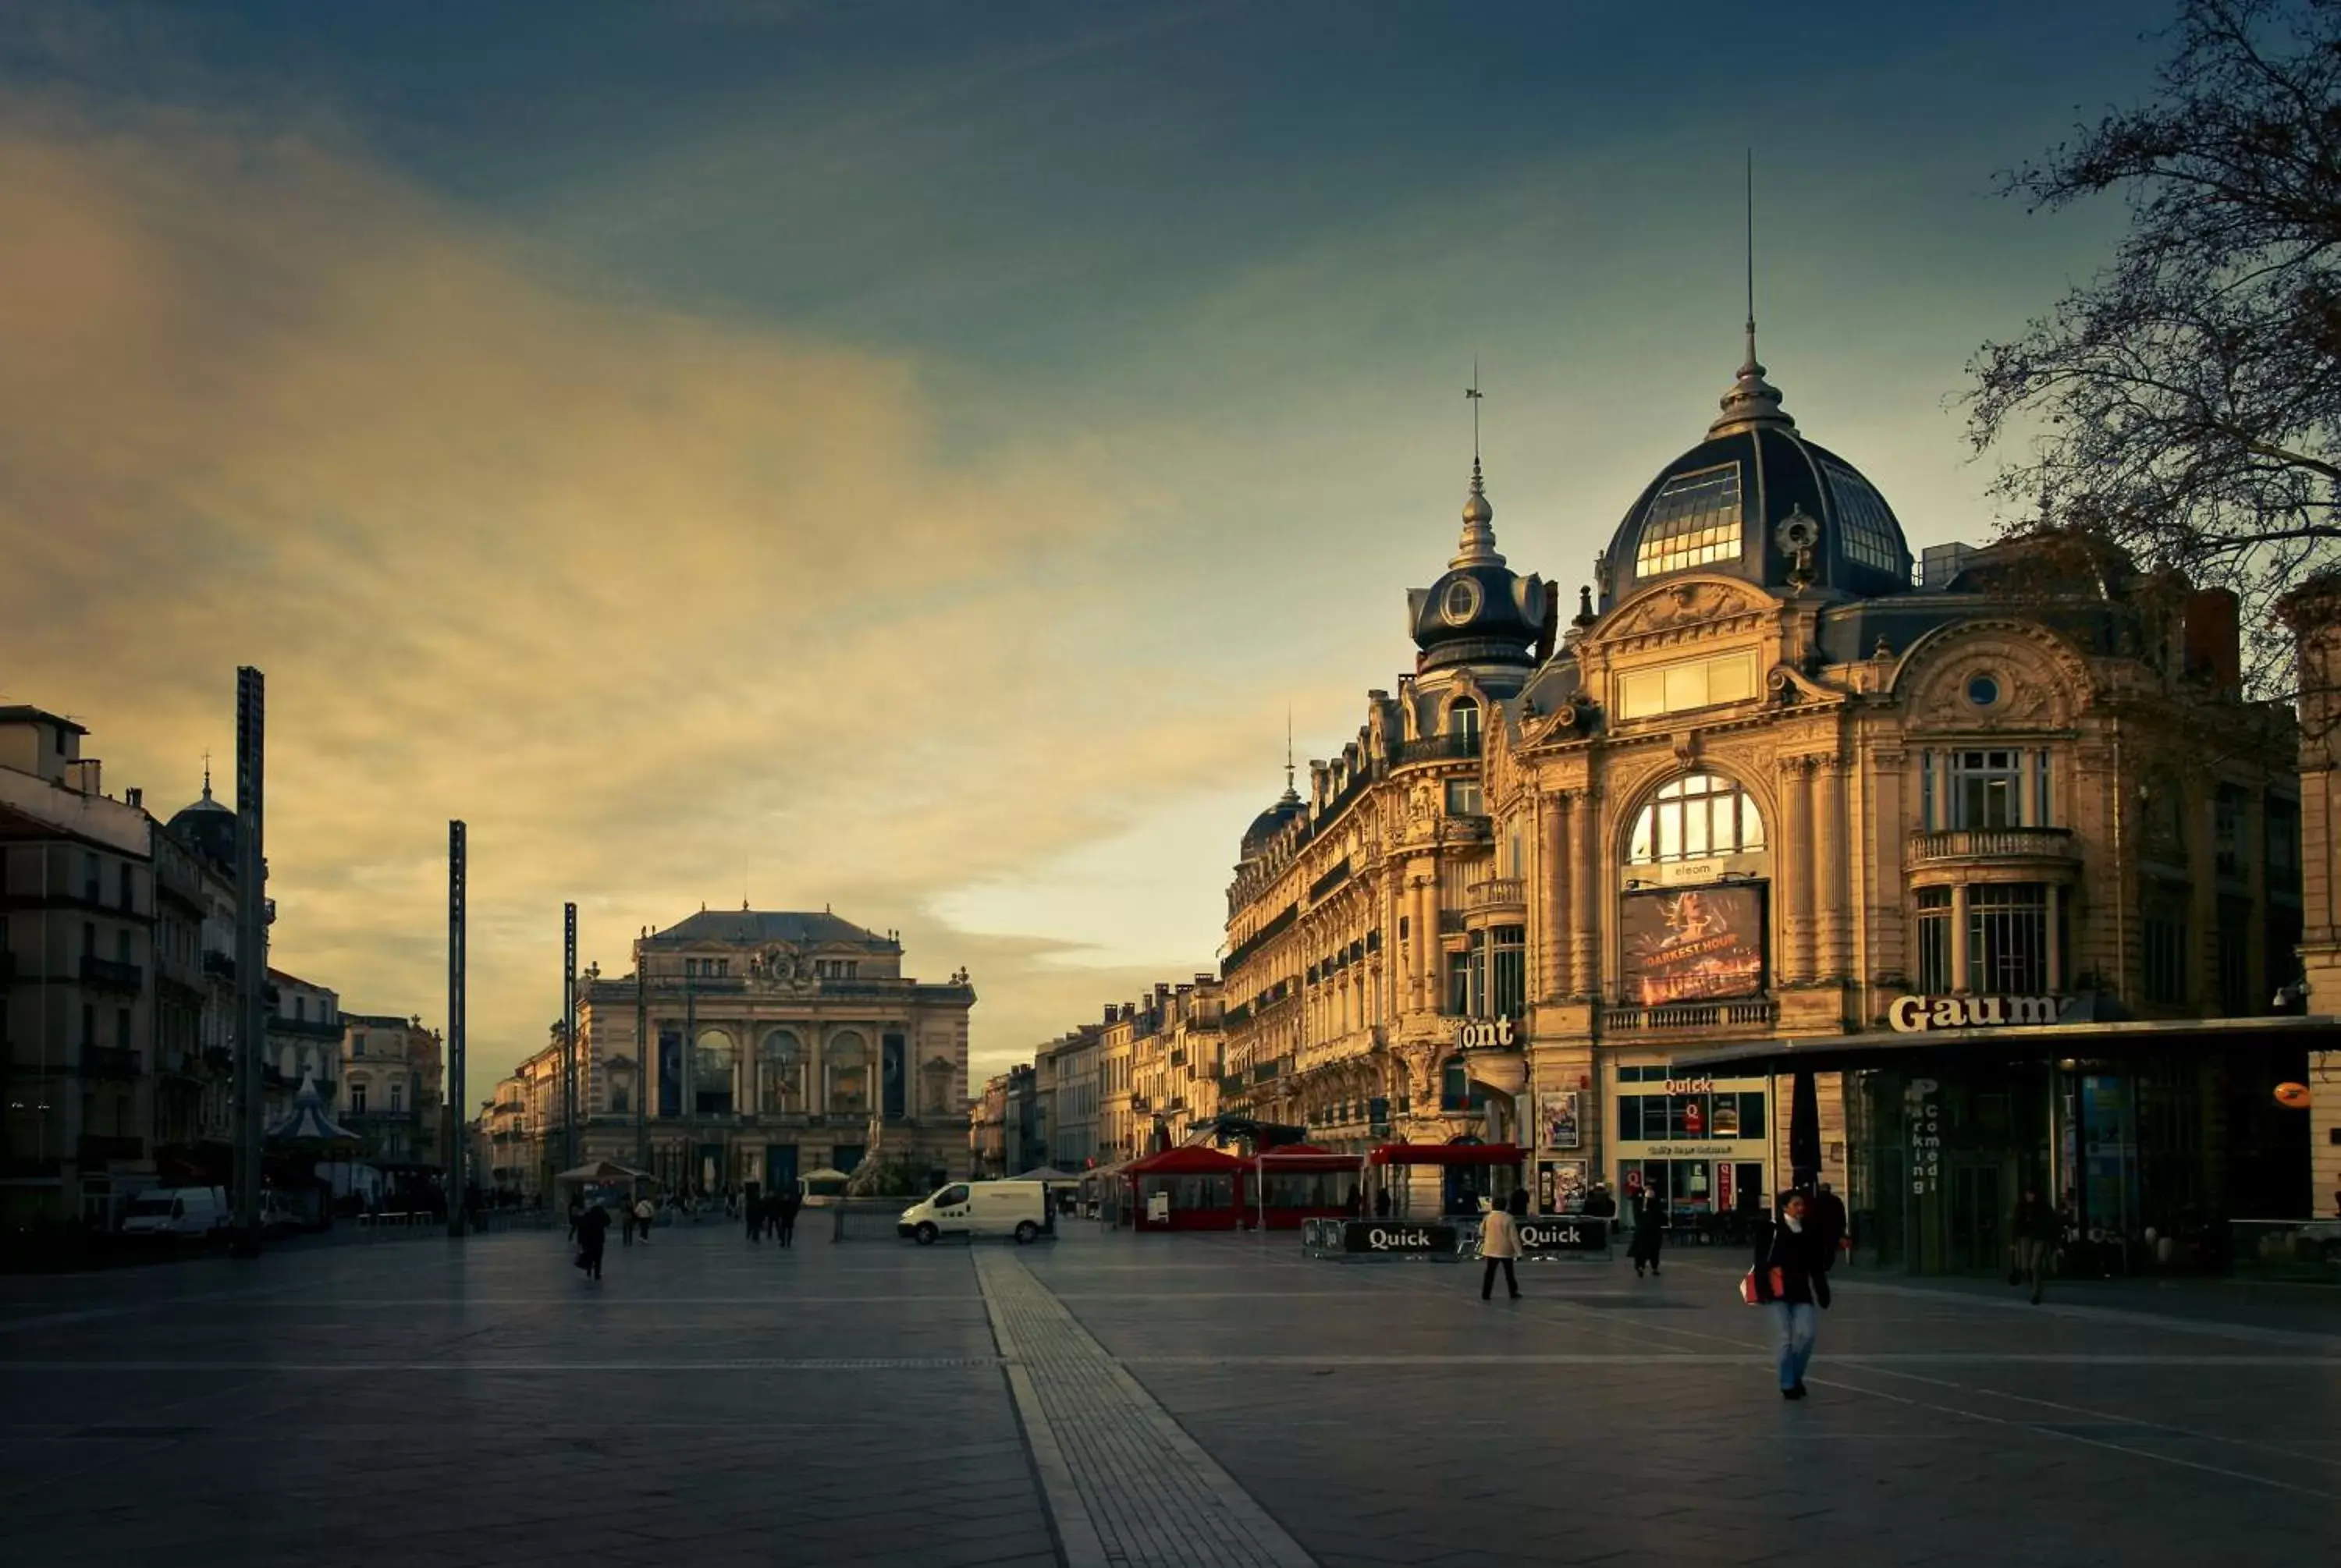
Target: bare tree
2186,401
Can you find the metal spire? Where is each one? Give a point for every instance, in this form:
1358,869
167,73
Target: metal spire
1290,793
207,773
1751,400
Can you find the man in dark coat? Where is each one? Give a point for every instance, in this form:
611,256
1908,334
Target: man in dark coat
2034,1228
1650,1233
593,1235
791,1201
1791,1284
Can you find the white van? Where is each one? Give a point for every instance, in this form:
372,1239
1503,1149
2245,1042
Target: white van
1017,1208
176,1211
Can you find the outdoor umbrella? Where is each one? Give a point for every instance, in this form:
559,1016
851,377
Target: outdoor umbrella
1804,1130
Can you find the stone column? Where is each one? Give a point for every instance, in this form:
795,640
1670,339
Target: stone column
1794,858
1831,894
1959,938
1555,972
1585,894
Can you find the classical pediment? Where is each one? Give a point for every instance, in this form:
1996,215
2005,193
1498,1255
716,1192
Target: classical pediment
1681,604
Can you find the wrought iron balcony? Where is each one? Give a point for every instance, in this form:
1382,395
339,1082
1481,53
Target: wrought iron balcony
1754,1013
1984,844
1438,748
110,974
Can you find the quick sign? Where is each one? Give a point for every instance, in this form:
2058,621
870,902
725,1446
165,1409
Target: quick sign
1397,1239
1550,1235
1916,1015
1479,1033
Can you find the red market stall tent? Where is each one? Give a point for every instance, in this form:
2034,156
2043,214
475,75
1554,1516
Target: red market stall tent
1204,1189
1299,1181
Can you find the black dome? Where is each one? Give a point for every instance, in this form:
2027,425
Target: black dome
1270,822
1720,507
208,828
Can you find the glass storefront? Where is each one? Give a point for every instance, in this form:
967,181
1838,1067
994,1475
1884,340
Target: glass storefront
2147,1155
1702,1145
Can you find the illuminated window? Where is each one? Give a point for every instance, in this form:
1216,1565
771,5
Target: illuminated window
1692,521
1865,528
1693,817
1692,683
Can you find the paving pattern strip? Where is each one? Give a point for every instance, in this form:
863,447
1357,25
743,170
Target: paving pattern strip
1125,1483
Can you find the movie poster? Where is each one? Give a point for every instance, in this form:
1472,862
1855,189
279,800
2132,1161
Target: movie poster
1557,1113
1696,945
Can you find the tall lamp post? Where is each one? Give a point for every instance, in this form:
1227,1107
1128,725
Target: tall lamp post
643,1072
569,1037
251,953
458,1209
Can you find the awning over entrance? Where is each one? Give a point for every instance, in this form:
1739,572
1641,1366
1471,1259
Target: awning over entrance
1446,1154
2028,1042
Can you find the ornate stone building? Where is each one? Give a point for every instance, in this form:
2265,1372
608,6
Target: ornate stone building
781,1043
1778,803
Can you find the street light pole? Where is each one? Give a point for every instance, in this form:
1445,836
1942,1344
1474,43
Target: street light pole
457,1209
568,1035
643,1078
251,952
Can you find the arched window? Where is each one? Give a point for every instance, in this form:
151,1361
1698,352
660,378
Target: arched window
781,1061
846,1066
712,1065
1692,818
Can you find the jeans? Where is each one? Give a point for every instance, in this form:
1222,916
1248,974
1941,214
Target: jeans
1794,1325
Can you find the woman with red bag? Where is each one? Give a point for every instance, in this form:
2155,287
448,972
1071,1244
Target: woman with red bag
1790,1282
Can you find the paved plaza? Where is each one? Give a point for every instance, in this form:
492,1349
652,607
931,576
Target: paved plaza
1112,1398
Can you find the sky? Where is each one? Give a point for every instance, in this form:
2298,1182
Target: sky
911,458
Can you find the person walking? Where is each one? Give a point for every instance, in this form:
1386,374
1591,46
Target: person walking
1792,1284
593,1235
751,1204
1499,1242
1828,1222
1383,1201
2034,1228
576,1213
642,1215
1650,1233
791,1201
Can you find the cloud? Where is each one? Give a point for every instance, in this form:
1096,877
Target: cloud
668,607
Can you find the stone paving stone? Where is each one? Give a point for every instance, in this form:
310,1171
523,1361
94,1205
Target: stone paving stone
427,1403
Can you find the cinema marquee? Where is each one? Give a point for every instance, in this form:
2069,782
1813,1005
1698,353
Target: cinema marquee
1918,1015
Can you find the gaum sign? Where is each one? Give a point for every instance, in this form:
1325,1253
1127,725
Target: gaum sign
1918,1015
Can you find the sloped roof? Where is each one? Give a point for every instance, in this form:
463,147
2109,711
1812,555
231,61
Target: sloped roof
1187,1159
752,926
308,1121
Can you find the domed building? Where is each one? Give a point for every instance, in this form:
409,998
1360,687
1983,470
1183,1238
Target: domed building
1787,861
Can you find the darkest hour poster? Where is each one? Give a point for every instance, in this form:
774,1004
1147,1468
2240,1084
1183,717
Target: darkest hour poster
1696,945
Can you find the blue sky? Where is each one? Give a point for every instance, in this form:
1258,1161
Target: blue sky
910,456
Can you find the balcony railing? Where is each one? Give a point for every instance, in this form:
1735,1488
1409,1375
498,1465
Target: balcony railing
314,1029
108,1062
1495,893
1992,844
110,974
1756,1013
1438,748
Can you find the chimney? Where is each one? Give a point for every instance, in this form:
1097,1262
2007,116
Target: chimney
136,798
1109,1012
82,775
2213,639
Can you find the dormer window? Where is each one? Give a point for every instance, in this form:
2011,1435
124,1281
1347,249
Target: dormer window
1463,719
1461,602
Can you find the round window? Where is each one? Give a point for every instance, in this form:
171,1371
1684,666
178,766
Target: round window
1983,690
1462,601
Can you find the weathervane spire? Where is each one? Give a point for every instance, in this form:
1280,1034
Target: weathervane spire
1290,793
1478,547
207,773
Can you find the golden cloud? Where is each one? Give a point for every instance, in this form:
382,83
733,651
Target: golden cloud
668,607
